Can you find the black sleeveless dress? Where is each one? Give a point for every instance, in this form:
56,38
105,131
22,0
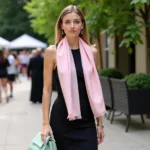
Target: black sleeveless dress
3,68
78,134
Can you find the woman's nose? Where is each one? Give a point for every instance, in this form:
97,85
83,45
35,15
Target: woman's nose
72,25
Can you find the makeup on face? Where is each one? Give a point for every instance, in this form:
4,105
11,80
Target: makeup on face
72,23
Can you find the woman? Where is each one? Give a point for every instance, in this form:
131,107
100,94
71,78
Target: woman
80,98
35,71
3,75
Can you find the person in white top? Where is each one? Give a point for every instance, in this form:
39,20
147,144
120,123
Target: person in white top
11,71
24,57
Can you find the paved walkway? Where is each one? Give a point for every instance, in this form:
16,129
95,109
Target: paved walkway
20,120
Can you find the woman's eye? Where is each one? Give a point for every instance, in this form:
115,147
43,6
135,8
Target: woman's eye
67,22
77,22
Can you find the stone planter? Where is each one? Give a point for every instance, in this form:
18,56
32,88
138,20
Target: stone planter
144,94
148,116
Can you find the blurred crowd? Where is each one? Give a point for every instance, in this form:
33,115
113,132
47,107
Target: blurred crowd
14,64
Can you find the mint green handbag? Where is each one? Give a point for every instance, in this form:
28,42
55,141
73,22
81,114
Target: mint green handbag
37,143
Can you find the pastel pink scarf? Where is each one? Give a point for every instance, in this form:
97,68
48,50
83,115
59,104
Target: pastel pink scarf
68,79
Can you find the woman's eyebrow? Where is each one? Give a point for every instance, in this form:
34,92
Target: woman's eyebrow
66,20
77,19
73,20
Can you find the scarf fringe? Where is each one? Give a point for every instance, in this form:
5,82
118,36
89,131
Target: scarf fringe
72,118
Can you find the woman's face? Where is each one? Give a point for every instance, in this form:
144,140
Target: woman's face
72,24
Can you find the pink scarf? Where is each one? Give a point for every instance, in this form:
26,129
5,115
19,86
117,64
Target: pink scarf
68,79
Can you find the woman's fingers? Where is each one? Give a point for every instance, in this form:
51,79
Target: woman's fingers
51,133
100,136
46,131
99,139
43,137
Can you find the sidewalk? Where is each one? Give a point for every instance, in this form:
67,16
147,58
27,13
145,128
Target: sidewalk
20,120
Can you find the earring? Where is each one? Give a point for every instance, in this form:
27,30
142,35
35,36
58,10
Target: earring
62,31
82,31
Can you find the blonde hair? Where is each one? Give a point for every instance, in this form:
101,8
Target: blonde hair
58,30
39,50
33,52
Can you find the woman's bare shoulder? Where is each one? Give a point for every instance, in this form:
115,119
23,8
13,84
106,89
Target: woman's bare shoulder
94,51
50,51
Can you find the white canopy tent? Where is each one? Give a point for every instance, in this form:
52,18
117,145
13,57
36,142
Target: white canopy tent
3,43
26,41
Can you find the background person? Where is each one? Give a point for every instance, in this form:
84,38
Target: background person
11,69
35,71
3,75
24,59
17,64
33,53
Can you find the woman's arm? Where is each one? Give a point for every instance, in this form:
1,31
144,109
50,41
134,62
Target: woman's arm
100,126
95,54
49,59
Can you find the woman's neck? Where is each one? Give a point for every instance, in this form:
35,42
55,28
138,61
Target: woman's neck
73,42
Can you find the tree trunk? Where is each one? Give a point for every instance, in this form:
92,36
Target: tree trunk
145,13
100,51
147,30
147,35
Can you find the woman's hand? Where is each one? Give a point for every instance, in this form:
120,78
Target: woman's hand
47,130
100,134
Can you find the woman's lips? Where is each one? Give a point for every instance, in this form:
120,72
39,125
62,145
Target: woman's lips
72,31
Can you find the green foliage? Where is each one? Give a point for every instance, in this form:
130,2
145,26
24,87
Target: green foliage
14,20
140,80
117,17
132,35
140,3
111,73
44,14
112,17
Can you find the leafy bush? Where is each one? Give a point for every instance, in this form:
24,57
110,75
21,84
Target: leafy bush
111,73
139,80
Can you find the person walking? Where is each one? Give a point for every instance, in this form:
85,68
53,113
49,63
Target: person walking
17,64
11,69
35,71
3,75
79,104
24,60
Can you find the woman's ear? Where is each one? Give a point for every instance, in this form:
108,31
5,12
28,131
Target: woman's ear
61,26
82,25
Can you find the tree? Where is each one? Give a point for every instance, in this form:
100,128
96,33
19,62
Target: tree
43,16
143,11
14,19
114,17
119,17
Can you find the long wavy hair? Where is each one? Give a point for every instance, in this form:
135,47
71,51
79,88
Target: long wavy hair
58,30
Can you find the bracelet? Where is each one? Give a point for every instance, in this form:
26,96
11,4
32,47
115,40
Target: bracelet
100,125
